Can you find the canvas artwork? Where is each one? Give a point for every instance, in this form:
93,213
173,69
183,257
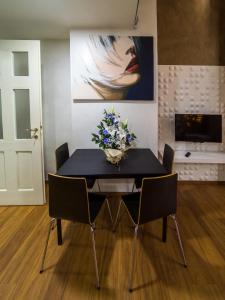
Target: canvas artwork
112,67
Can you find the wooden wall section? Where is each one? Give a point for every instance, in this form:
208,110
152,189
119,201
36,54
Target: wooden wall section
191,32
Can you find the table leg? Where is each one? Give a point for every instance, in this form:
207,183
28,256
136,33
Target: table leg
164,229
59,231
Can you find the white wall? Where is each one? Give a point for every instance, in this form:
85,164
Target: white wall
74,122
57,122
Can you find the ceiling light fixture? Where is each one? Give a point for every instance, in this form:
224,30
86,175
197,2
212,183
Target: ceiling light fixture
136,19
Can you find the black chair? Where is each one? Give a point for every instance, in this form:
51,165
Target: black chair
168,158
69,200
157,199
61,155
167,162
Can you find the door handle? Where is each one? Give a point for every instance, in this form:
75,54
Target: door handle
34,132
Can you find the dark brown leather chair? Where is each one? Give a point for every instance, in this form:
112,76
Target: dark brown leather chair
61,155
70,200
167,162
157,199
168,158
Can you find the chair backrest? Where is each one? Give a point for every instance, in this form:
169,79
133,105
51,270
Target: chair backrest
168,157
61,155
68,198
158,198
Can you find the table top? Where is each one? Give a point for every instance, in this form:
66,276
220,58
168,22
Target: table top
92,163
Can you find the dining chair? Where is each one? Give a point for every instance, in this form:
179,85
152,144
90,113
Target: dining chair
70,200
157,199
62,154
167,162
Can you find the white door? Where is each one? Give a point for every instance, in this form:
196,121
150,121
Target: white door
21,166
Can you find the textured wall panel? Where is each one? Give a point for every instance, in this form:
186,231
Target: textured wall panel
191,89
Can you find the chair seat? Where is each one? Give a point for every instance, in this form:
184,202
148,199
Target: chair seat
132,203
95,203
90,182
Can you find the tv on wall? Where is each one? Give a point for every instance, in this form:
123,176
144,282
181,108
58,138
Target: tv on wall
198,128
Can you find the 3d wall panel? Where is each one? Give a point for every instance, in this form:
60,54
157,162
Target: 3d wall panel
191,89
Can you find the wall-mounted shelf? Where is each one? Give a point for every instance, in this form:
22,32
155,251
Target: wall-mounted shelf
199,157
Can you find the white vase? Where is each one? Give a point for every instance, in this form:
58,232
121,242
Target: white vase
113,155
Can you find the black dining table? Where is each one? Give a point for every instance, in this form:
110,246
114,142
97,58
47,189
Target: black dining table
92,163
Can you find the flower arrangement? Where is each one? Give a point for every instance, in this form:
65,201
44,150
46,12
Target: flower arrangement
113,134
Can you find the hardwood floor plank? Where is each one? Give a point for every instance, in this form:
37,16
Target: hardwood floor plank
158,273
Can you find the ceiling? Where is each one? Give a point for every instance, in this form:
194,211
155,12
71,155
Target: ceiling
53,19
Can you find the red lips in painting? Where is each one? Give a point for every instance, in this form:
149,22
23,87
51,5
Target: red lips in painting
133,66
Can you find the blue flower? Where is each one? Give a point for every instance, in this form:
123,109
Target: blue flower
105,141
105,131
109,116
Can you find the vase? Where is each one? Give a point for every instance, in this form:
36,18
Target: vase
114,156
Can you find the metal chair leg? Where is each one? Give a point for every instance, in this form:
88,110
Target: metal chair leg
95,256
179,240
46,245
98,186
53,225
109,210
117,216
133,258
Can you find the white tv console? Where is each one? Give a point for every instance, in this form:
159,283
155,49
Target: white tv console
199,157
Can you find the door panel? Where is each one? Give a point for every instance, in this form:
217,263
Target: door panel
1,126
20,63
25,170
21,146
2,171
22,113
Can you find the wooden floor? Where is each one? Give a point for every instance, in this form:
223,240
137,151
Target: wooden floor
158,275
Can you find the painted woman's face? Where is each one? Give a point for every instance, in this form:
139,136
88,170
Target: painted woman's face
119,65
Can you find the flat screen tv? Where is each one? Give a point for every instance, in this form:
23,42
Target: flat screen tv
198,128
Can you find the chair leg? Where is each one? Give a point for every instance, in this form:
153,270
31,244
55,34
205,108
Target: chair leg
59,231
133,257
46,245
109,210
117,216
179,240
95,256
98,186
164,229
53,225
133,187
